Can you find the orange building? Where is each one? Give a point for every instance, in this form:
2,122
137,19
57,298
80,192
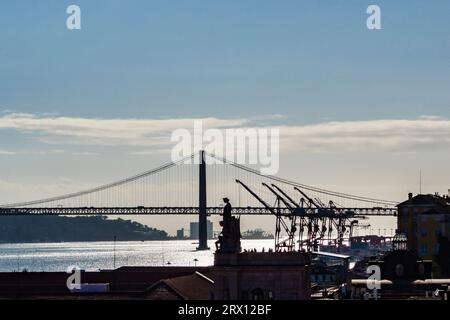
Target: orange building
422,219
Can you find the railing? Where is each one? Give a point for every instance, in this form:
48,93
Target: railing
306,212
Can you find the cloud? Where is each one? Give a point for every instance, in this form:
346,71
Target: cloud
153,135
431,117
150,152
85,153
7,153
31,152
11,191
373,135
137,132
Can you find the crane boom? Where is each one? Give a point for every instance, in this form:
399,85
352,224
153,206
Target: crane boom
256,197
278,196
306,196
285,194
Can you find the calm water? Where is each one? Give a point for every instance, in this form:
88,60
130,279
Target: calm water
100,255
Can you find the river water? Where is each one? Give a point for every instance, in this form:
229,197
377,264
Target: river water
100,255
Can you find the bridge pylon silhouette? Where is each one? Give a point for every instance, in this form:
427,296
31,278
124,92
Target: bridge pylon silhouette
202,212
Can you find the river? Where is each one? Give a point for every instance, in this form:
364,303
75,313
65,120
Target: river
100,255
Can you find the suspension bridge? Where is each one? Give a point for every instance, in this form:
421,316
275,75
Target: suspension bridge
195,185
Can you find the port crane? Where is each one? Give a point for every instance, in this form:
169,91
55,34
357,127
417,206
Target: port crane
308,220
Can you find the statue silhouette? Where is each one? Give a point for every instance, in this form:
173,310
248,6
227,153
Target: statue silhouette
226,215
230,238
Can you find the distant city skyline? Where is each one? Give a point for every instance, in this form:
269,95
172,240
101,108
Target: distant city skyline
359,111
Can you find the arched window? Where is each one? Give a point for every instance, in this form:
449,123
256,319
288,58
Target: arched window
226,294
257,294
399,270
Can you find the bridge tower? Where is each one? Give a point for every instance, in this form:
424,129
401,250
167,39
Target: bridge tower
202,218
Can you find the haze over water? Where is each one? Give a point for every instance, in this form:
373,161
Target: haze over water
100,255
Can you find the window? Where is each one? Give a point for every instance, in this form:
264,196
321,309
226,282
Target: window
423,232
226,294
257,294
405,221
399,270
423,249
421,269
436,248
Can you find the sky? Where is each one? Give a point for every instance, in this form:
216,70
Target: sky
359,111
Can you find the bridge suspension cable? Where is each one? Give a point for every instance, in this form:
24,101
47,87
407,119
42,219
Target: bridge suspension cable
306,187
175,184
100,188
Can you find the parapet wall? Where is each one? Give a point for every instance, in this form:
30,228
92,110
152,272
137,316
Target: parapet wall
262,259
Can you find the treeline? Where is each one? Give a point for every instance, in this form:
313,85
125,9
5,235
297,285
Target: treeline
17,229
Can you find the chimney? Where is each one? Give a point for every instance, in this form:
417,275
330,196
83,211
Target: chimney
410,196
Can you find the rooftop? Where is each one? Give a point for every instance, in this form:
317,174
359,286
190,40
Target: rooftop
427,200
437,211
292,258
331,255
195,286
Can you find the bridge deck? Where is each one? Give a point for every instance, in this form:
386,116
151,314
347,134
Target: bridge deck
194,211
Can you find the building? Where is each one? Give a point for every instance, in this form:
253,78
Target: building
403,275
195,286
330,269
180,234
193,234
124,282
422,219
262,276
401,264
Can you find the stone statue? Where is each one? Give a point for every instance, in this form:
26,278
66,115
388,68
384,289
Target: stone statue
230,237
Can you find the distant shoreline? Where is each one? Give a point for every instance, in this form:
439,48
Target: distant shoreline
60,229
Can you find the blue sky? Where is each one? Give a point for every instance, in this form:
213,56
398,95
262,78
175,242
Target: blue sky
310,61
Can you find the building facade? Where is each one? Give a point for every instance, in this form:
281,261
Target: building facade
180,234
423,218
193,232
262,276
